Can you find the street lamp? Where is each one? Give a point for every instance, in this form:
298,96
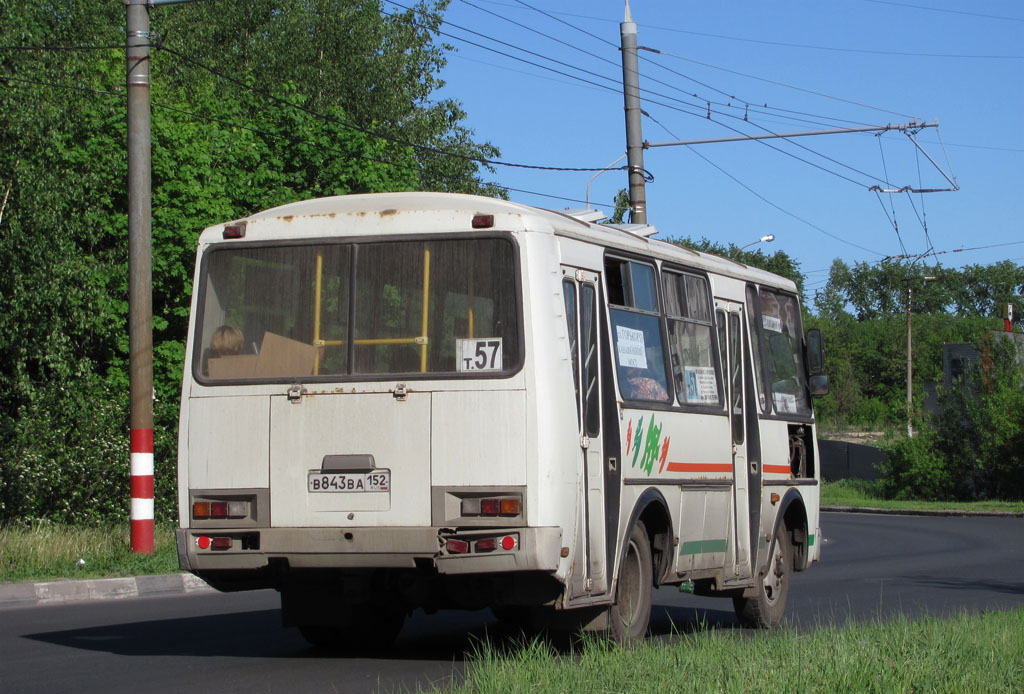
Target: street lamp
767,238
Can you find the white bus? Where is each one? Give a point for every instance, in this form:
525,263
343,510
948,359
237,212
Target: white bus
425,400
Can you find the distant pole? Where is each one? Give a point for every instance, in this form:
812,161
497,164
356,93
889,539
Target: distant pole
910,369
140,276
634,133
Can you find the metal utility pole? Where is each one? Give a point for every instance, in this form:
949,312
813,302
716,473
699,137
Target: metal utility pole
140,276
910,367
634,133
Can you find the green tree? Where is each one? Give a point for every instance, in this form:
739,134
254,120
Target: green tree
621,207
974,449
779,262
335,98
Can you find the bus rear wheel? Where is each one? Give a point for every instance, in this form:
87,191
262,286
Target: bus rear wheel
767,608
629,616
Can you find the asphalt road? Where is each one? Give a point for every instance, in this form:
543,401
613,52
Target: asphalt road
873,566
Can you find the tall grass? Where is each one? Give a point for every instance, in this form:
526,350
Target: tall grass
48,551
967,653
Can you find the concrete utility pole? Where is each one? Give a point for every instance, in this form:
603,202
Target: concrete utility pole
140,270
140,276
634,133
910,367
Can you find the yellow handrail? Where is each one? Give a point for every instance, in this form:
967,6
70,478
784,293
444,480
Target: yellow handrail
420,340
316,310
426,308
374,341
471,299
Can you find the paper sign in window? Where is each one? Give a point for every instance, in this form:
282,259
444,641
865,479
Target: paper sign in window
483,354
701,387
631,347
772,323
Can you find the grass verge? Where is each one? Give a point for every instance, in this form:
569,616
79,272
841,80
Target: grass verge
866,494
983,652
44,551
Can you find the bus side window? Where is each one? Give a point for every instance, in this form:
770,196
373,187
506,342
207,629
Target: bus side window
637,330
688,313
591,394
569,297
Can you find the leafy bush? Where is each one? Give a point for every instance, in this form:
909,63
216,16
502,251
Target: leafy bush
974,448
913,468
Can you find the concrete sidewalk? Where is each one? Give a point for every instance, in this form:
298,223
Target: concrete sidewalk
61,592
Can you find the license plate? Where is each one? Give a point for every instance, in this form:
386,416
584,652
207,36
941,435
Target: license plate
376,481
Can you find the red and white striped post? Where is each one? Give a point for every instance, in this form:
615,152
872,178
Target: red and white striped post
140,275
142,490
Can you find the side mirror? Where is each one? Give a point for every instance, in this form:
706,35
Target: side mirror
818,384
817,379
815,353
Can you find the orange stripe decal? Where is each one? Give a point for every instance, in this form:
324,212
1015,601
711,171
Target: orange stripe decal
778,469
700,467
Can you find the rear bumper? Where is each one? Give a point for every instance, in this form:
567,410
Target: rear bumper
255,549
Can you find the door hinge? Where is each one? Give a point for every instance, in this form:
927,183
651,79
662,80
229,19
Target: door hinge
580,276
584,442
400,393
296,392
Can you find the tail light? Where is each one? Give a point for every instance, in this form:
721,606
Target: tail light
220,509
234,231
492,506
483,544
457,546
206,542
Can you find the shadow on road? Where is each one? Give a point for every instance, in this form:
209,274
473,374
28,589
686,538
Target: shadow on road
448,636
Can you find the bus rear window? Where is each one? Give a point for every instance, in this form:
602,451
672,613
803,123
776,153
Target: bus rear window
345,309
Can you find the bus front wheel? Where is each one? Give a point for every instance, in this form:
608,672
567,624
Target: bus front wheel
766,609
629,615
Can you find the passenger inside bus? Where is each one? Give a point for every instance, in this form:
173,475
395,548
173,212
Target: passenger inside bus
226,341
639,385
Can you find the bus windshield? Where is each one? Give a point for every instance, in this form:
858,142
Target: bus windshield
783,352
334,310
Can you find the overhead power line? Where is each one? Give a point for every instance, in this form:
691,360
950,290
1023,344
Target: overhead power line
58,49
766,200
659,27
940,9
266,134
917,256
367,131
787,86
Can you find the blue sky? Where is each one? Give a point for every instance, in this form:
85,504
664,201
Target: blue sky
814,65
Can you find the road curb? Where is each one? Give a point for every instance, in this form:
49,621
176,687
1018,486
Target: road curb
61,592
79,590
920,512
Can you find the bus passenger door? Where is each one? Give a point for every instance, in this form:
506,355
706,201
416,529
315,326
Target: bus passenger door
580,293
729,318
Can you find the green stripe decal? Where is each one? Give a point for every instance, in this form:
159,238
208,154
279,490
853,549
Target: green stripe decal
702,547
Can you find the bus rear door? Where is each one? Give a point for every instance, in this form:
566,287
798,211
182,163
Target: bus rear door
580,293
